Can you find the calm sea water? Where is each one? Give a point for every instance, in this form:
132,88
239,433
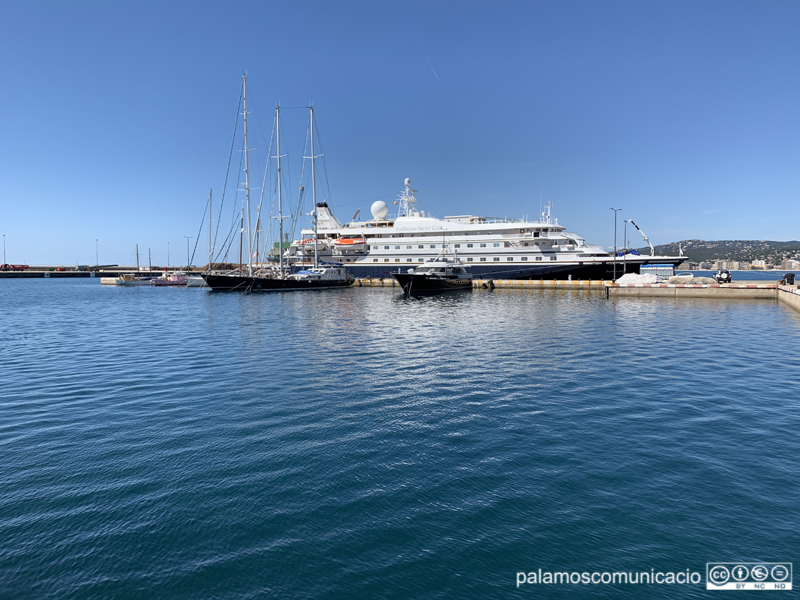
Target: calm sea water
178,443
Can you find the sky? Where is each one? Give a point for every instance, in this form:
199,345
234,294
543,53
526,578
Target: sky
118,117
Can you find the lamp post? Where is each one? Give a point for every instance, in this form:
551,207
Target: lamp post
167,256
616,210
188,259
96,252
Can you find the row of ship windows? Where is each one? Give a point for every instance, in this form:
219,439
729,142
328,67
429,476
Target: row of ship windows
495,245
483,259
536,233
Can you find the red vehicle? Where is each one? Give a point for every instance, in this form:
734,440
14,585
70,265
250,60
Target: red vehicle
6,267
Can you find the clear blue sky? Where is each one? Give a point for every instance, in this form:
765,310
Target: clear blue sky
117,116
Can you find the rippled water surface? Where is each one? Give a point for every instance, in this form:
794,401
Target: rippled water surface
179,443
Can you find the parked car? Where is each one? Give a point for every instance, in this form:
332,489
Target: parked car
723,276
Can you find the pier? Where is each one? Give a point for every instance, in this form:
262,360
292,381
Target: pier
742,289
785,294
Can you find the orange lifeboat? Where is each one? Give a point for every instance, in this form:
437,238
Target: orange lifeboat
355,243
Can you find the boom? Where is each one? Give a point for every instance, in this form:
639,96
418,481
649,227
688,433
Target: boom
646,239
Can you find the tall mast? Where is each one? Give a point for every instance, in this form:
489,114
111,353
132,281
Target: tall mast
137,259
241,234
247,181
280,197
210,250
314,191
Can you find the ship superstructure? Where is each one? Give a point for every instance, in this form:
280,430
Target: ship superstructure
496,248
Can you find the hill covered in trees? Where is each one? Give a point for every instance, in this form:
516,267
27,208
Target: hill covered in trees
742,250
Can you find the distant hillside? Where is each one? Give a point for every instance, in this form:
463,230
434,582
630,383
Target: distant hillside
742,250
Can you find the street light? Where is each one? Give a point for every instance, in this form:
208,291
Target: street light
167,256
616,210
188,259
96,252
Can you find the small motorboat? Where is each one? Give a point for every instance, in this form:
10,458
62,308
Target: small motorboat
173,279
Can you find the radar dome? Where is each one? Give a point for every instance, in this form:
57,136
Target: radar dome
379,209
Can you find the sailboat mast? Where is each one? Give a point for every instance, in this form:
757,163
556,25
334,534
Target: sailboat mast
137,259
247,181
314,191
241,234
149,261
210,250
280,196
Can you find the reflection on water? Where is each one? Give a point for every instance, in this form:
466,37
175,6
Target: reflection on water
183,443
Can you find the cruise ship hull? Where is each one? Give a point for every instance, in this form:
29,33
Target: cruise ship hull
599,270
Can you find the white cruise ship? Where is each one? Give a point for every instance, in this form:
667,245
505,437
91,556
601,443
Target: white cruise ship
495,248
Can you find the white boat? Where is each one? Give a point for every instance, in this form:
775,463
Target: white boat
196,281
170,279
496,248
129,279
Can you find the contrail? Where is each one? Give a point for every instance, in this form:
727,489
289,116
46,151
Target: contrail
431,66
435,74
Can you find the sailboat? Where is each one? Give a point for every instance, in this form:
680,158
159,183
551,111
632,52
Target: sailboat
129,279
271,279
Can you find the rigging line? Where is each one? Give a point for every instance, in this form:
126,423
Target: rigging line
229,239
430,210
228,169
264,191
226,243
303,181
234,227
392,195
197,239
300,191
261,199
324,162
288,163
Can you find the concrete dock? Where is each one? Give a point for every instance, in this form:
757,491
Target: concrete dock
550,284
744,289
785,294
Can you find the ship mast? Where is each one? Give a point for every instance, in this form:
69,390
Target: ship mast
314,191
247,181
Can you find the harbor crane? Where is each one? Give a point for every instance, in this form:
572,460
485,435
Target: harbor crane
646,239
